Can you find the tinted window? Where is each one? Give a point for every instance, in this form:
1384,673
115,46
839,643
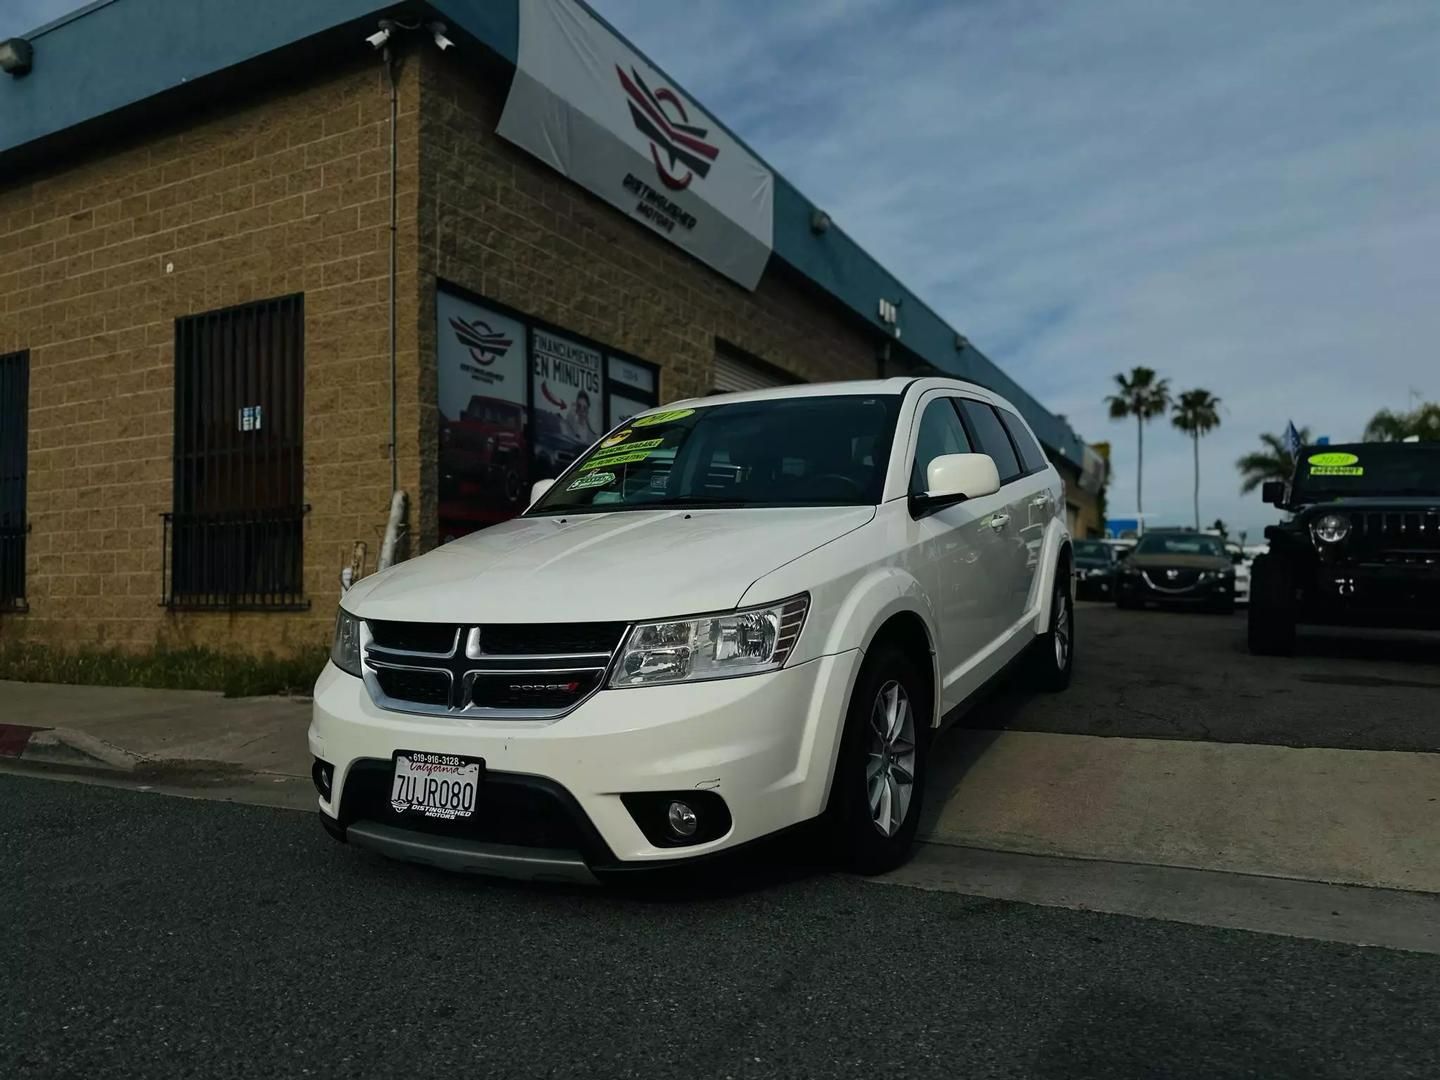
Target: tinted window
1179,544
940,433
1031,456
800,451
985,426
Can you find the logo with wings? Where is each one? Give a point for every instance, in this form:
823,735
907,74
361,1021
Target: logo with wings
485,345
677,146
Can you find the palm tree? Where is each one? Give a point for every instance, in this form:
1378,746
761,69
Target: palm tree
1272,462
1196,413
1144,397
1389,426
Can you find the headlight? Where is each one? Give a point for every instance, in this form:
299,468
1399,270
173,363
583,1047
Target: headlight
345,649
1330,529
711,646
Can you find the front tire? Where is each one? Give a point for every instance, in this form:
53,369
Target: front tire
1271,616
1053,659
879,781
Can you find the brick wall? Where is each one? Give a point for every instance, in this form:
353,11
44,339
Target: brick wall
498,222
284,193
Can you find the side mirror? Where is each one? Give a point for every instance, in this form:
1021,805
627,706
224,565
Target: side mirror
953,478
1273,492
539,488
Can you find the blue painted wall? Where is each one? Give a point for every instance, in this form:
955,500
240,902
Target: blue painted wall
120,52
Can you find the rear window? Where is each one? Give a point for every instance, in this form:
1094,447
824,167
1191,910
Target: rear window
1031,456
991,437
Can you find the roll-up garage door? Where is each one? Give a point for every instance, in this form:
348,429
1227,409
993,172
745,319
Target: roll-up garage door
736,373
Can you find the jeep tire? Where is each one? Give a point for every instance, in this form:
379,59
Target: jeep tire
1271,627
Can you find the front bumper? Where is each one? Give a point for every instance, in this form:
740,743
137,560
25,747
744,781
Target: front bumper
1404,596
764,744
1094,587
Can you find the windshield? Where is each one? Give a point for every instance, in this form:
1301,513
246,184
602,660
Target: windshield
800,451
1092,549
1333,472
1179,544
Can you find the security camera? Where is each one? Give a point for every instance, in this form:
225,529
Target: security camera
16,56
381,36
437,30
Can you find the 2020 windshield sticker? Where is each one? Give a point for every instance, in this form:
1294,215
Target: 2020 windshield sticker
1335,463
616,439
661,418
591,480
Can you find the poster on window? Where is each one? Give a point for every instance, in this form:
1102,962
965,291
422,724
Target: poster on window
480,360
566,392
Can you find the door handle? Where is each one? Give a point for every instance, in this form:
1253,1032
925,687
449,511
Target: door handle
999,521
1040,500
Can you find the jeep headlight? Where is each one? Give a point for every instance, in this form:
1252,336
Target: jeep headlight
1330,529
719,646
345,649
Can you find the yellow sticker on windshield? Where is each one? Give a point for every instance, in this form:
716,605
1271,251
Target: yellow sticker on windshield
611,460
616,439
661,418
1331,459
1336,470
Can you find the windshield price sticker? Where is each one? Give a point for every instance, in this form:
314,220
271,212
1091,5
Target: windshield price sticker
1335,463
661,418
611,460
591,480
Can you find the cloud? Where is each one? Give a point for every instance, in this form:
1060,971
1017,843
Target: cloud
1245,197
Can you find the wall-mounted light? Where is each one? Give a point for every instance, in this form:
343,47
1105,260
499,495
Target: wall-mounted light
16,56
819,222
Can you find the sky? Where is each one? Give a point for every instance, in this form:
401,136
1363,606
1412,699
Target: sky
1243,196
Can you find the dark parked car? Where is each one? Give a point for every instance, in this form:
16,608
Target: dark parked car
1177,568
1094,570
1361,546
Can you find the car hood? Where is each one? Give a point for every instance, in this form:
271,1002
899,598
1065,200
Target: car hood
637,564
1371,502
1178,562
1083,563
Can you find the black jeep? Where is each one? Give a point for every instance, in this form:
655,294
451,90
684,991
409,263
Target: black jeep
1361,546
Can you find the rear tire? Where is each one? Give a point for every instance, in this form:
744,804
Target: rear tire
1052,660
1271,618
874,813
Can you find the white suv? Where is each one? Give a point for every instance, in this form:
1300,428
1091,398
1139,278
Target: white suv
730,616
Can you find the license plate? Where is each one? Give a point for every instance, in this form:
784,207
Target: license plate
435,785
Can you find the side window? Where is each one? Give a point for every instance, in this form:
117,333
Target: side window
940,433
1031,456
992,438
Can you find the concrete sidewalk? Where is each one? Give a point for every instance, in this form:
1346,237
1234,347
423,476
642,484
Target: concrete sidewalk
125,729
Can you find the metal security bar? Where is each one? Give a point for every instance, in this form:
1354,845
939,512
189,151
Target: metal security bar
234,538
14,433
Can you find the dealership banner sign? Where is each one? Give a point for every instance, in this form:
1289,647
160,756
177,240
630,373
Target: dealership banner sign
589,106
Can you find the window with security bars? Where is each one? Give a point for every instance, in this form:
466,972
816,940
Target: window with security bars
14,430
233,540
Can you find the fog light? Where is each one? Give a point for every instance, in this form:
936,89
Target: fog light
323,773
683,821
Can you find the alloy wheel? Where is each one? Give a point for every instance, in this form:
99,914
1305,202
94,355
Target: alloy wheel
1063,628
890,758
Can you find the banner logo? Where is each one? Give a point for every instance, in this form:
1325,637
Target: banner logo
660,116
485,345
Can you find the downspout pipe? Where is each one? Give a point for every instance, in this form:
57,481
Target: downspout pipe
391,60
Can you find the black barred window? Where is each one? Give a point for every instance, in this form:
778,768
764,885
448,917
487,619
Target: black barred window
235,536
14,430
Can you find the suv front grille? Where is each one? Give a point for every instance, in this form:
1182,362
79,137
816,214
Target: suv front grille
1396,536
503,670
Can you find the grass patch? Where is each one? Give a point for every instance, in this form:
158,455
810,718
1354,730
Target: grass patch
164,669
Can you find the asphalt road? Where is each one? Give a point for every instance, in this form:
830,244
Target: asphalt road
1188,675
147,935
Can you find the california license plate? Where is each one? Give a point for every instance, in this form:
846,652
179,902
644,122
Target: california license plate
435,785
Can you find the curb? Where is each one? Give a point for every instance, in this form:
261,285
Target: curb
64,746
